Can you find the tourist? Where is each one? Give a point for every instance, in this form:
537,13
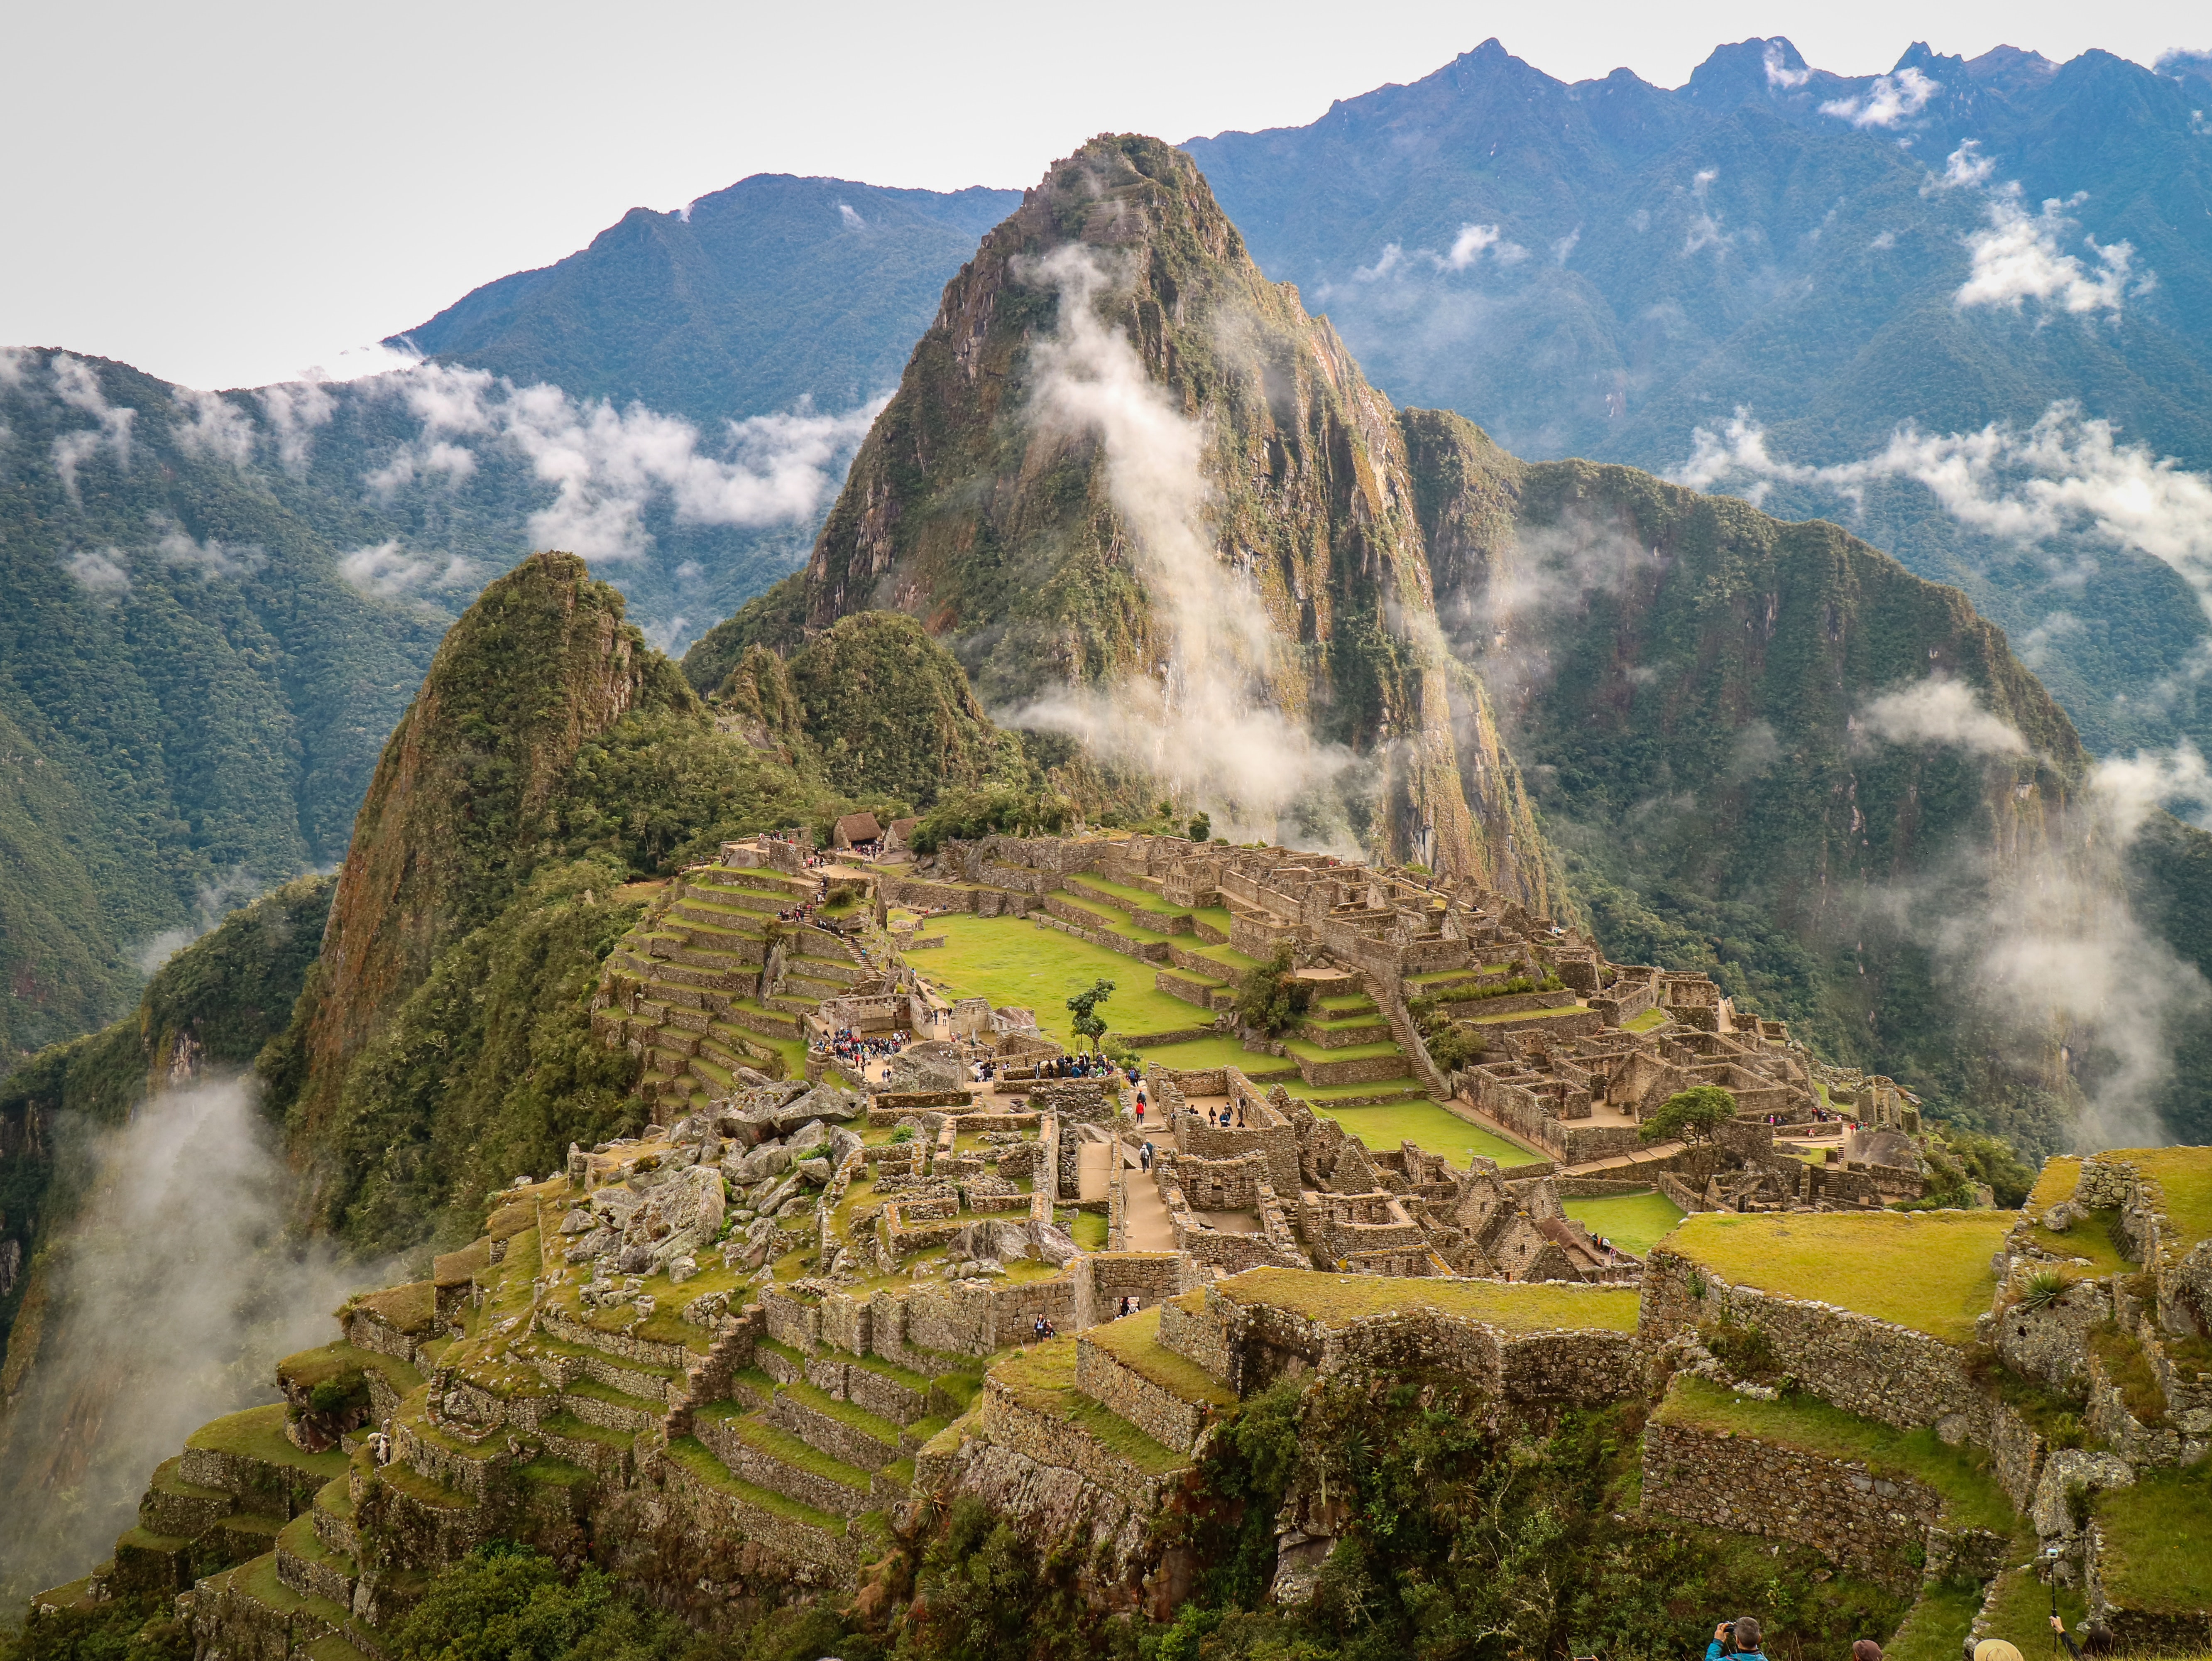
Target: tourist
2095,1640
1144,1158
1037,1329
1993,1649
1140,1112
1741,1637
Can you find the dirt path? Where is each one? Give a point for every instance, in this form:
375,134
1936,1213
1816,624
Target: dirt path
1094,1170
1145,1218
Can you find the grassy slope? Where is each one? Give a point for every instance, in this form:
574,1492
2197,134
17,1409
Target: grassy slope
1928,1271
1634,1222
1517,1306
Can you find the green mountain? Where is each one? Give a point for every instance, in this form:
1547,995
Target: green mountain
192,696
1603,269
754,299
218,605
1108,373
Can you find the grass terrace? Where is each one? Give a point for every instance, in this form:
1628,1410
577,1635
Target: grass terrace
1927,1270
2186,1173
1514,1306
2060,1176
1634,1222
1962,1475
1042,1380
1135,1343
2096,1236
2155,1533
1650,1020
1010,961
259,1434
1433,1128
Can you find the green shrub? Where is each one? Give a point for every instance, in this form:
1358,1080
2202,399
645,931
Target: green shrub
1690,1115
1271,998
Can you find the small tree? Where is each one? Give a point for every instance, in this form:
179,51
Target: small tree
1089,1023
1271,999
1690,1115
1201,828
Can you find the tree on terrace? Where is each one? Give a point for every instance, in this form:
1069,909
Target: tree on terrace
1689,1116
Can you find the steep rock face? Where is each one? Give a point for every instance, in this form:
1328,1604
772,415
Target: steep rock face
540,665
1152,502
1696,689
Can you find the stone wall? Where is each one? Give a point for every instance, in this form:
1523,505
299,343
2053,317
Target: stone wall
1871,1367
1102,1279
1881,1526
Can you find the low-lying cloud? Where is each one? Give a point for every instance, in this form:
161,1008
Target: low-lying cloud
1889,100
1944,712
2019,257
1205,720
76,385
171,1296
609,467
2037,933
388,571
2066,476
213,900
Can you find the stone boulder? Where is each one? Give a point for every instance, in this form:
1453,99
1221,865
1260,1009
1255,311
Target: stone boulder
679,1217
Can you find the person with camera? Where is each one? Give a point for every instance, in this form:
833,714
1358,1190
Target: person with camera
1739,1638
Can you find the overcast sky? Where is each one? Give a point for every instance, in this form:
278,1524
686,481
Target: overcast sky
226,194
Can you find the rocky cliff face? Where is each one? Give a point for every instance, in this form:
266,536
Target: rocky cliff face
540,666
1826,781
1154,504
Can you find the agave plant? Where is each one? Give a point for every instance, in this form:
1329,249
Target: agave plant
2043,1288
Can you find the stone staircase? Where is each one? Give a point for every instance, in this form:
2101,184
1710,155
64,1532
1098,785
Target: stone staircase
683,989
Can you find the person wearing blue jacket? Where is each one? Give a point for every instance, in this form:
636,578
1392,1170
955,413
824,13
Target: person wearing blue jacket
1739,1639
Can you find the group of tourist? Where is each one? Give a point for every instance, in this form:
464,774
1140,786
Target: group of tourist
854,1050
1224,1118
1740,1640
1044,1329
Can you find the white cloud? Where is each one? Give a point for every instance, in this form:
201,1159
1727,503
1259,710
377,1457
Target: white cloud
211,559
1705,228
1565,246
1475,240
15,364
2019,257
2066,476
76,386
1964,168
1393,254
1939,711
359,363
1886,239
389,572
2132,787
1890,99
851,217
608,466
1779,75
411,462
295,410
213,426
102,573
1206,719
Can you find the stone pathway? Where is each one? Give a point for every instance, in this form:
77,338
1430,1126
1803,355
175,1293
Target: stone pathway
1143,1218
1094,1170
1623,1162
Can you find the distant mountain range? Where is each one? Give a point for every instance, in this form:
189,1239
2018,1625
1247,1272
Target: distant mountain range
1606,268
218,605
